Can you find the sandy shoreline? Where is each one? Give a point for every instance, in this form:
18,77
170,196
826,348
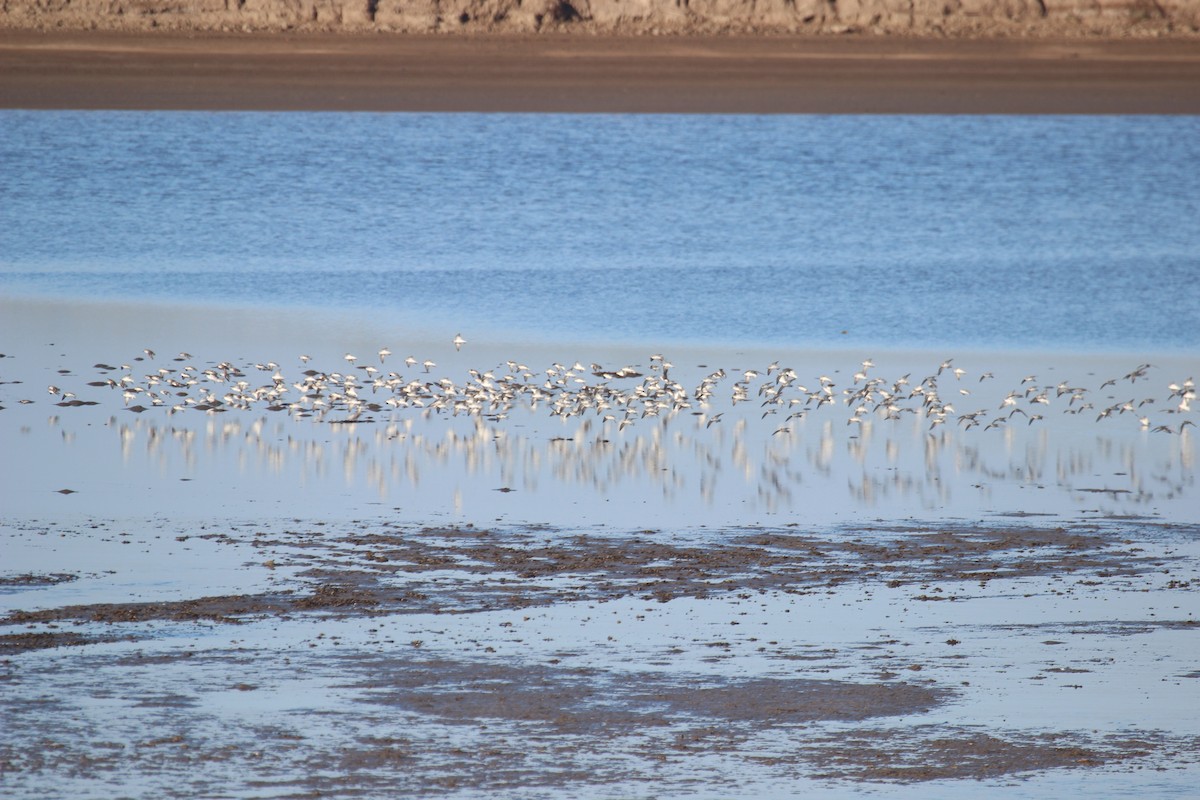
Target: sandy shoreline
729,74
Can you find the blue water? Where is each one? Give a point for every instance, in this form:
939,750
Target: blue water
1038,232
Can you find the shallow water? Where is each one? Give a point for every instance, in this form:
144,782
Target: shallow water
1022,433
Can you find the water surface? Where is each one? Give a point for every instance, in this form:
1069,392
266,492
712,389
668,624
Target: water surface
994,232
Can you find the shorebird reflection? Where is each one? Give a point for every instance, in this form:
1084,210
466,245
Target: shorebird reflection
773,474
761,434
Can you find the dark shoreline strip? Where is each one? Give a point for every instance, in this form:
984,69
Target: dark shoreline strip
569,74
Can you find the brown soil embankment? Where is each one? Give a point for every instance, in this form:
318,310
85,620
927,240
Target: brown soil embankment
948,17
557,73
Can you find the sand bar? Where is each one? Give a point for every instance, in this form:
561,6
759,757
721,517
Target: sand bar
565,73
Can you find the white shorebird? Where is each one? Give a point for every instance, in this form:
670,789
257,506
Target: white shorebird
459,341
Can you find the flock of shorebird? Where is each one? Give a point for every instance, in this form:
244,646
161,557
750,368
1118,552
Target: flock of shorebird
628,394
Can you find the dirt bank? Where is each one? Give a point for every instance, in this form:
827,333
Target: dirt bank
949,17
618,74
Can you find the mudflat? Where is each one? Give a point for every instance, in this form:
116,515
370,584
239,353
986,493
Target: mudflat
583,73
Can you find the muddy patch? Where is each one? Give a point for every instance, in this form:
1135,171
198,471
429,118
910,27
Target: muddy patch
31,580
12,643
537,662
948,754
438,727
391,570
588,700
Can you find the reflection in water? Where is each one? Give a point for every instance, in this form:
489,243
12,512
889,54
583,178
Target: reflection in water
680,466
740,442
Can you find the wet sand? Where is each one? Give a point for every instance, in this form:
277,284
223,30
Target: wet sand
533,662
549,73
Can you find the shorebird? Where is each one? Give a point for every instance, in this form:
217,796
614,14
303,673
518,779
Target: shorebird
459,341
1139,372
383,354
